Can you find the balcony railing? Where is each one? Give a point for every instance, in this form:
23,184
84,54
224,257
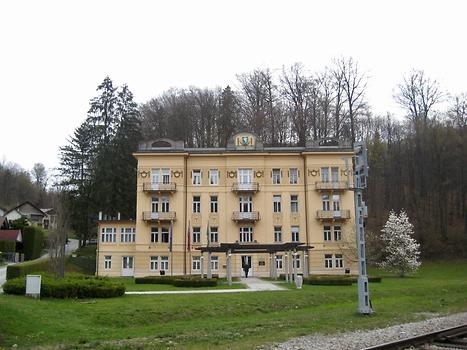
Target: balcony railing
159,216
331,185
159,187
245,187
333,214
241,216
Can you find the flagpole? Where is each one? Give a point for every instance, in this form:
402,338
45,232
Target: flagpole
171,249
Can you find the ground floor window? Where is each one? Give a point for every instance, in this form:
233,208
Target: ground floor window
127,262
279,262
339,261
214,263
164,263
154,263
108,262
296,261
196,263
328,261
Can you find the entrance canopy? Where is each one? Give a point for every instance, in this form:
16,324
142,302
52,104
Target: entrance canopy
254,247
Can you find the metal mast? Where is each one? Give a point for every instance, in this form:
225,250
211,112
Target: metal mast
360,166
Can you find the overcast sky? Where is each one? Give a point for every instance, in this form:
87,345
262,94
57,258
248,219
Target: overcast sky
53,54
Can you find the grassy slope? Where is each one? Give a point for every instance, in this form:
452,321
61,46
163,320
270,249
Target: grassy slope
235,321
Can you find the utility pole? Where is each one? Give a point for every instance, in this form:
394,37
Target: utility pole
360,166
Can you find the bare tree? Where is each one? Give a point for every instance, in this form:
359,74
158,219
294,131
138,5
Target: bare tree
57,239
418,94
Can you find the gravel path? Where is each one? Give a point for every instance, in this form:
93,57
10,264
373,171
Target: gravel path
362,339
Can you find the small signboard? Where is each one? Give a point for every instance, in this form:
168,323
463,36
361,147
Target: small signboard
33,286
299,282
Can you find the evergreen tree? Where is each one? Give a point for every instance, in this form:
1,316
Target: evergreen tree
402,252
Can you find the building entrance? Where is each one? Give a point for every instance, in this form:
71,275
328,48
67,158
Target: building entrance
246,268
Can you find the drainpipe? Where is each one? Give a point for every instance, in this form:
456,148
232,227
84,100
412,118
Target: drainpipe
305,179
185,215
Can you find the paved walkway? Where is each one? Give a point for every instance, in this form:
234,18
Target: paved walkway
253,284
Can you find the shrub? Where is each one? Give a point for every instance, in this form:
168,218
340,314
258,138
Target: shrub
195,282
7,246
328,280
73,286
155,280
27,267
33,240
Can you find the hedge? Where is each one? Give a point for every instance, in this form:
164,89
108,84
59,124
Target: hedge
69,287
336,281
7,246
27,267
33,241
178,281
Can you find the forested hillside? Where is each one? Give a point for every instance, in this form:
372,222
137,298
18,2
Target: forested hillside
417,159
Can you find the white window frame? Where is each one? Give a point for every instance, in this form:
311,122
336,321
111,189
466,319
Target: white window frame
154,234
326,202
154,263
109,235
155,207
127,234
246,234
196,177
336,202
164,263
276,176
214,263
294,203
339,261
108,262
335,174
155,176
214,204
246,204
337,233
293,176
295,233
165,204
277,233
327,233
245,175
214,234
279,262
296,262
165,176
196,235
328,261
165,232
325,174
196,207
213,177
276,203
196,263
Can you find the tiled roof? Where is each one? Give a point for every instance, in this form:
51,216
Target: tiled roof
10,235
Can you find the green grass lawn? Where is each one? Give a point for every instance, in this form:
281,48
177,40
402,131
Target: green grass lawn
130,285
228,321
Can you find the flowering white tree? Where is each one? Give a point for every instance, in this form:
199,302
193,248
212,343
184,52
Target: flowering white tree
401,251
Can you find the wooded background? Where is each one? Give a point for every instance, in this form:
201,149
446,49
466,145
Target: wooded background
417,159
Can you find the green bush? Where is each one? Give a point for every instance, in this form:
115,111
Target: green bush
73,286
178,281
195,282
155,280
328,280
33,241
7,246
27,267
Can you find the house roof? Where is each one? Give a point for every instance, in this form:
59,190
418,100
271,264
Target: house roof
11,235
22,204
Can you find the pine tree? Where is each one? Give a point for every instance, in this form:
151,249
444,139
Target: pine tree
401,251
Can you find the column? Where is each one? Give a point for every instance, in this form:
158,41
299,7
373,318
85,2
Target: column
270,266
290,266
294,256
305,264
286,262
202,264
209,265
274,267
229,267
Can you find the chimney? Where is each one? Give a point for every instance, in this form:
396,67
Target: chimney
118,216
100,216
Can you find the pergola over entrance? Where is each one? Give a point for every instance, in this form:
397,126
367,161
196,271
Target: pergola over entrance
289,249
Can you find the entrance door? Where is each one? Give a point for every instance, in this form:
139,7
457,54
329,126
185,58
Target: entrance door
246,262
127,266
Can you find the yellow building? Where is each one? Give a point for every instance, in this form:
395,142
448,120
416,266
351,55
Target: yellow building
201,210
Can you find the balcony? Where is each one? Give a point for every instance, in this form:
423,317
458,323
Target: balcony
245,187
240,216
332,215
159,216
331,185
159,187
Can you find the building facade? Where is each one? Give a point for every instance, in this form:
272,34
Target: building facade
194,200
